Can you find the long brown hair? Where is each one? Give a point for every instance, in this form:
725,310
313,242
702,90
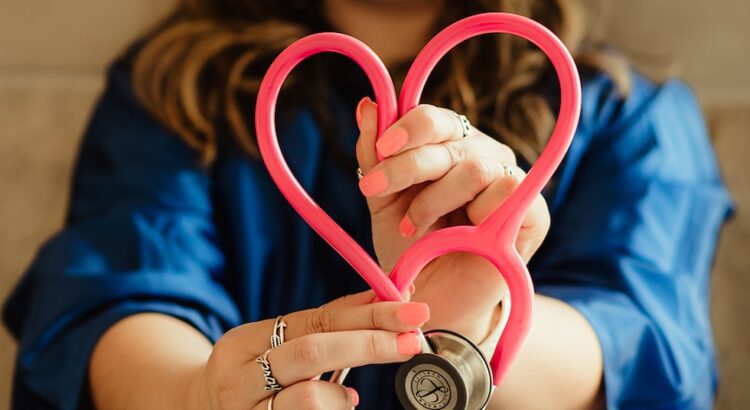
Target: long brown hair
199,70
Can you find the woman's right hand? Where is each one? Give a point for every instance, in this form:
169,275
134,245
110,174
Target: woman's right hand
348,332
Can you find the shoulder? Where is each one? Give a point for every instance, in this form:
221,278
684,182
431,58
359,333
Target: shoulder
606,108
654,132
127,156
122,130
657,125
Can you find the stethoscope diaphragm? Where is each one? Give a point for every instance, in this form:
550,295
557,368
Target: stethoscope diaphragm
455,376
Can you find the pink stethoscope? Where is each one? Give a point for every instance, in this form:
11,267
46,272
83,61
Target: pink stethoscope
452,373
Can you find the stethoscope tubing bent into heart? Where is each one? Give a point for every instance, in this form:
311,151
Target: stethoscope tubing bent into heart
494,239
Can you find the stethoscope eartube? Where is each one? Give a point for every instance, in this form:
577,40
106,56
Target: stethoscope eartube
454,376
453,373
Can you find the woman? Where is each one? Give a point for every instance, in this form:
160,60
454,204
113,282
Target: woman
179,251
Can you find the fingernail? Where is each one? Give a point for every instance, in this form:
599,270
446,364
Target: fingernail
373,183
408,343
406,227
355,396
412,289
358,111
392,141
413,314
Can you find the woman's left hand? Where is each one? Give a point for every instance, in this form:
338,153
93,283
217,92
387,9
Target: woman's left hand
433,177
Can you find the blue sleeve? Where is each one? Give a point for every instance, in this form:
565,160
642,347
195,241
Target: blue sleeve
635,222
140,237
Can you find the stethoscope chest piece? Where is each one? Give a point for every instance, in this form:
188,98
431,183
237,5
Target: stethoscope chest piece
456,376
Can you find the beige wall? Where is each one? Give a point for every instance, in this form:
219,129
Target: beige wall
52,55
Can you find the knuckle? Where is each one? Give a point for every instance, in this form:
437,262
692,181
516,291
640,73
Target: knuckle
374,317
478,173
544,215
427,118
413,162
321,321
307,351
421,213
374,346
222,353
456,151
507,154
310,397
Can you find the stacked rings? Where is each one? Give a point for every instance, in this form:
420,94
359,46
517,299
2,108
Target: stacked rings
277,339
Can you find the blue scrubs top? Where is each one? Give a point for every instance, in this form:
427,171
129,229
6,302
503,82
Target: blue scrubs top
636,211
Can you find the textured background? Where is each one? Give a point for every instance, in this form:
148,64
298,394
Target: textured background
52,57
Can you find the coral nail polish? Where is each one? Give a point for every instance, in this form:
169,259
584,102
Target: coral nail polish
408,343
373,183
406,227
413,314
392,141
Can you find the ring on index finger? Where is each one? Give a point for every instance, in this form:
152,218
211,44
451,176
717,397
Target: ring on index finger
271,384
277,339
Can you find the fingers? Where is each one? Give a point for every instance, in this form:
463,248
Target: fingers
457,188
340,315
424,145
429,163
493,196
345,333
481,185
314,394
306,357
535,223
391,316
425,124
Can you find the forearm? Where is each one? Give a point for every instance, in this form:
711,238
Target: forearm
559,366
147,361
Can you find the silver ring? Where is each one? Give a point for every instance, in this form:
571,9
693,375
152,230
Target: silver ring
278,332
507,170
270,401
465,125
271,383
360,174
